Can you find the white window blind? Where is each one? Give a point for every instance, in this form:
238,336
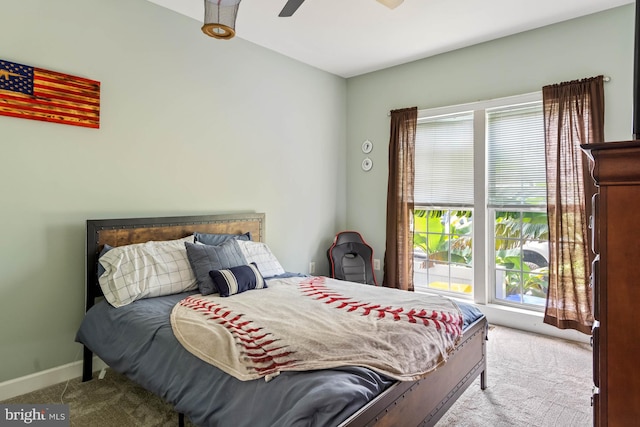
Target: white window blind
444,161
516,156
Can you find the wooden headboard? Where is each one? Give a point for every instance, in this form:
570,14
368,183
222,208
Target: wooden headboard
126,231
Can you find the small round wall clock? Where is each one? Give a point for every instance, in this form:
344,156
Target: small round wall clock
367,146
367,164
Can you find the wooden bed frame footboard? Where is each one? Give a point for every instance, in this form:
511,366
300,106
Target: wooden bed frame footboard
405,403
424,402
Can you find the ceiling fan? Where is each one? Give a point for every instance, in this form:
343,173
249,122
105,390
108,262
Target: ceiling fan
220,15
292,5
290,8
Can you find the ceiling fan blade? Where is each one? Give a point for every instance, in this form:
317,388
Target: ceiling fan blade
290,8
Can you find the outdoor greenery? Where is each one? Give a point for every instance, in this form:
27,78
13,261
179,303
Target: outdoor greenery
513,231
446,236
444,233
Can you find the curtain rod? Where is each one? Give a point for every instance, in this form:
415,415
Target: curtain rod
604,79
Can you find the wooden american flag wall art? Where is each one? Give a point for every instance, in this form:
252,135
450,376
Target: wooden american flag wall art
34,93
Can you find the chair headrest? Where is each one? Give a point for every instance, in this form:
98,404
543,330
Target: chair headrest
348,237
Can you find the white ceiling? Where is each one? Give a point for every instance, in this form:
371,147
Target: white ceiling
353,37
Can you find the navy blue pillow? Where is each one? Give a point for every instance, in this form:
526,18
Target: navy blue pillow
238,279
204,258
217,239
106,248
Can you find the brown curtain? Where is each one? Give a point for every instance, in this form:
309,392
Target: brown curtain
398,257
573,115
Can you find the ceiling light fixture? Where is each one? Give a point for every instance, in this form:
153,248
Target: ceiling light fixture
220,18
391,4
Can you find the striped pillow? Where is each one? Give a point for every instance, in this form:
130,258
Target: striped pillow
239,279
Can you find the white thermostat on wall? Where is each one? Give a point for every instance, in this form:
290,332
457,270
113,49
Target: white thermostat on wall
367,164
367,146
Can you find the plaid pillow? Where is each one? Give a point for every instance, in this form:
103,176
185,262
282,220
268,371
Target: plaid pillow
260,253
145,270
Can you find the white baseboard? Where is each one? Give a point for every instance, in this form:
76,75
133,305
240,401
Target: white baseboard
529,321
32,382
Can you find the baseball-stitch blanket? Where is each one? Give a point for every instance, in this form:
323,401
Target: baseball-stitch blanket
300,324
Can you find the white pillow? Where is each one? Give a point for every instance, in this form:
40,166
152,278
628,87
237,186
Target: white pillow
145,270
260,253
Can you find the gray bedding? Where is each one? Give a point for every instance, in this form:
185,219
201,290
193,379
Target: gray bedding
137,340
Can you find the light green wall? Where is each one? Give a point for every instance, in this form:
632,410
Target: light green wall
189,125
193,125
596,44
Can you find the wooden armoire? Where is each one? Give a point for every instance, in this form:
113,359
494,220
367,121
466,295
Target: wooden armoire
616,282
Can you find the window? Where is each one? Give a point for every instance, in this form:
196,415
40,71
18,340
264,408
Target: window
517,196
443,226
443,250
484,162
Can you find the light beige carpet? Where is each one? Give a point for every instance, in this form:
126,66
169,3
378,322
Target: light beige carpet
534,381
113,401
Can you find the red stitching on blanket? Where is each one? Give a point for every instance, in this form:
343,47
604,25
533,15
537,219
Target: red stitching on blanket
254,346
316,287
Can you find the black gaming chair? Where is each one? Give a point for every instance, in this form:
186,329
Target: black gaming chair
351,258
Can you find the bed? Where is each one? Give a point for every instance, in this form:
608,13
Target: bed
147,351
